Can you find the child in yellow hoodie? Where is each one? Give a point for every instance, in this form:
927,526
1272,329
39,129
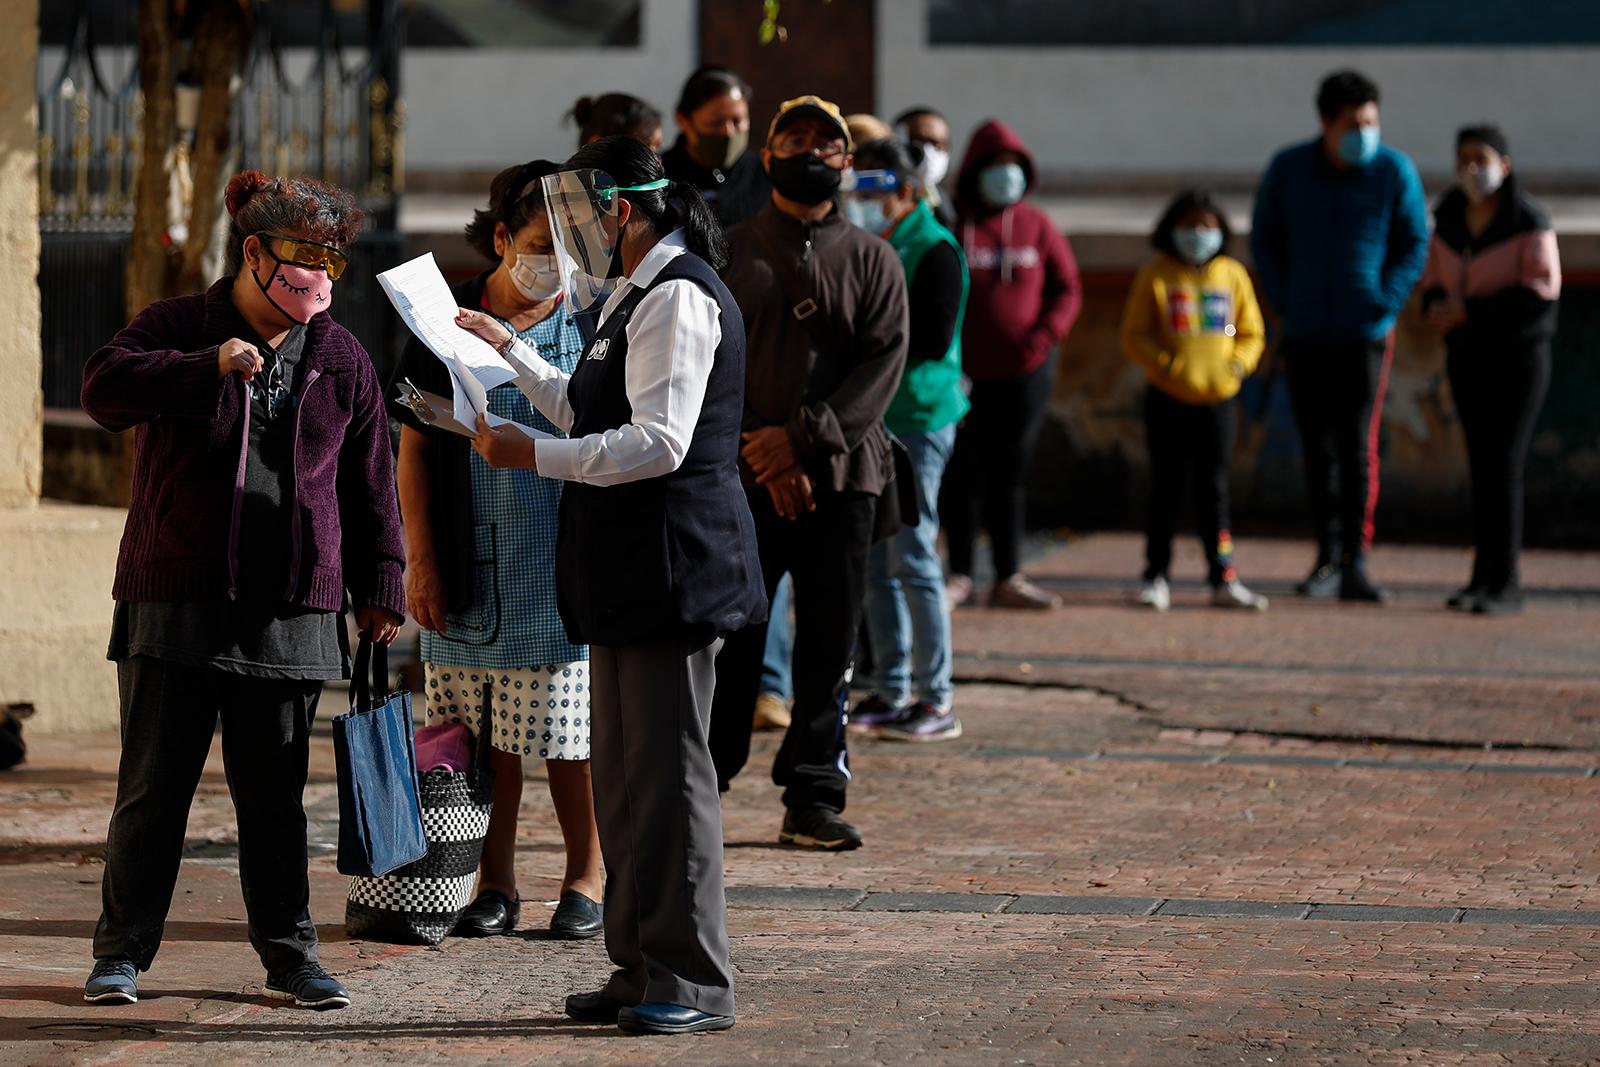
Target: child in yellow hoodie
1193,326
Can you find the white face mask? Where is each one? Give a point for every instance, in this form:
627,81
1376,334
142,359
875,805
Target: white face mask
536,277
1480,183
935,165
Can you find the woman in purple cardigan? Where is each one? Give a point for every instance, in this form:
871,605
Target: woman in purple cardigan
263,489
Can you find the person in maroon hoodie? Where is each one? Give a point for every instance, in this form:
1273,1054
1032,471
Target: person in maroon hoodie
1025,295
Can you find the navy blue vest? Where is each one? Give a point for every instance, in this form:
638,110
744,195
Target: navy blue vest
672,555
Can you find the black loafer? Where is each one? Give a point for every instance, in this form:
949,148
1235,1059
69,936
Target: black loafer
669,1019
596,1007
577,917
491,914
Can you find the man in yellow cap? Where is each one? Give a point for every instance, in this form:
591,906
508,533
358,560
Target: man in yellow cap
825,312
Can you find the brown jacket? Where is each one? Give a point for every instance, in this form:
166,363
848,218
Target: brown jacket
831,402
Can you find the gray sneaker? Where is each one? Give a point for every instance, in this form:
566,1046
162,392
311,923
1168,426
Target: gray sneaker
112,981
309,986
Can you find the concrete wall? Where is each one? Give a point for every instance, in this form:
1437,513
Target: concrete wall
56,561
483,109
1225,110
19,266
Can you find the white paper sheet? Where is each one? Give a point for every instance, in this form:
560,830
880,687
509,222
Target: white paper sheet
419,293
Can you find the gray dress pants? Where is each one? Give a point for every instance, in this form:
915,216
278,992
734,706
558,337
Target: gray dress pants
660,821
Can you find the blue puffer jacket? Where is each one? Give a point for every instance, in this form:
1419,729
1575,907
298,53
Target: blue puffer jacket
1338,251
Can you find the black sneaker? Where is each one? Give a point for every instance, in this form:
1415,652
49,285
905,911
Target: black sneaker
1463,599
309,986
1504,601
922,721
1355,584
112,981
1322,582
818,828
872,713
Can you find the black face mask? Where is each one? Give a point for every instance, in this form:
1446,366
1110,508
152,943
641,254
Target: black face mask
804,179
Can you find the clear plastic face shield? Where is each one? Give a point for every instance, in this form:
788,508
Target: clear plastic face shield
585,222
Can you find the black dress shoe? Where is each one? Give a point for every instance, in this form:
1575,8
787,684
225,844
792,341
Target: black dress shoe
1465,598
1504,601
491,914
596,1007
577,917
669,1019
1322,582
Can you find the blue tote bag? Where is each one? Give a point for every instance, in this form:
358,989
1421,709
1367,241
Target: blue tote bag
380,817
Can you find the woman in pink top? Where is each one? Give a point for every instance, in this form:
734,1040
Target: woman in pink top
1491,286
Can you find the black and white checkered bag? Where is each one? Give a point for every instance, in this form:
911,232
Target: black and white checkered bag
419,904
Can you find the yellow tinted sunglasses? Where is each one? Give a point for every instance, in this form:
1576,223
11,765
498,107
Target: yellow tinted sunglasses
307,254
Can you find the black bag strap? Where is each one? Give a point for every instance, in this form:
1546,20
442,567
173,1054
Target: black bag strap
371,662
480,755
802,303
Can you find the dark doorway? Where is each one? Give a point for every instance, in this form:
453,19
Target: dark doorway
828,52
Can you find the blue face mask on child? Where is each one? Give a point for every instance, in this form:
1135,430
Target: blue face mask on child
1197,245
1002,184
868,213
1359,147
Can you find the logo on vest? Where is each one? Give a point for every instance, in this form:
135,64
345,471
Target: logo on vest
598,350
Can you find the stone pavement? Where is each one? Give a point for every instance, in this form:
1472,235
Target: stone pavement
1326,834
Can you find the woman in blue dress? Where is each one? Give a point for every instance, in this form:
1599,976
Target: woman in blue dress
480,575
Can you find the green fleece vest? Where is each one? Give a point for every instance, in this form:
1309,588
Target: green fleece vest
929,397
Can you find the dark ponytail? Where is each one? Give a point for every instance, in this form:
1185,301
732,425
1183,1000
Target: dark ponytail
631,162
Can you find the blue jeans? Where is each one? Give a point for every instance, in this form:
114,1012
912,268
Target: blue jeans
777,662
907,614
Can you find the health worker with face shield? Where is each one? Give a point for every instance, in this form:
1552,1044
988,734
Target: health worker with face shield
656,558
263,493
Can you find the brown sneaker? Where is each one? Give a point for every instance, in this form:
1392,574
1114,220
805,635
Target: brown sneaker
772,713
1017,592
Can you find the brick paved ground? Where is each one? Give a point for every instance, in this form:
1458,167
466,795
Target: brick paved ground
1126,771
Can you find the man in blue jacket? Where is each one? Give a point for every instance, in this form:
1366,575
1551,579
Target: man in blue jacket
1340,236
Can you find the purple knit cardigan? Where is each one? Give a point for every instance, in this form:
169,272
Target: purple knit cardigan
159,375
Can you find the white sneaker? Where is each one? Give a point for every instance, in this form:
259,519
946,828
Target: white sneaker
1155,594
1234,595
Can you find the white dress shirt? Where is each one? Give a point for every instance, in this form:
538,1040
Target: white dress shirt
672,341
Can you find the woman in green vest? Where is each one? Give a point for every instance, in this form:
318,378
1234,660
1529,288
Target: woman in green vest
907,613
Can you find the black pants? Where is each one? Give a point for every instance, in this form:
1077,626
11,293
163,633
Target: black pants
1336,389
986,483
1188,442
1499,395
169,714
826,551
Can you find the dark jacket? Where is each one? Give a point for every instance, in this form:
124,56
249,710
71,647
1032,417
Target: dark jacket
672,555
1338,251
159,375
831,402
735,194
1025,291
1508,276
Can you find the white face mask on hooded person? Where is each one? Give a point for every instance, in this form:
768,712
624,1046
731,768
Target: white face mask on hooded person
537,278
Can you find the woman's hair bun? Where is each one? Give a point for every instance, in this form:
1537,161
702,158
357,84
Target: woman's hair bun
242,187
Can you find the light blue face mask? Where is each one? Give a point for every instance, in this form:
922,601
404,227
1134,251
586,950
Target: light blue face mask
1359,147
1002,184
868,214
1197,246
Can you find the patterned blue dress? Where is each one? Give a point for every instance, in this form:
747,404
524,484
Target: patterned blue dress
510,637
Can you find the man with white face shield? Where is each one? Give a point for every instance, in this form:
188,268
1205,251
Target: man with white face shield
494,625
655,562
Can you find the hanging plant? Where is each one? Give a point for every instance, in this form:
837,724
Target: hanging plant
770,28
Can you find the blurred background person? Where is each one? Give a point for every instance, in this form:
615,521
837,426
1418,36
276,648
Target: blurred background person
865,127
1491,286
928,133
908,616
1024,296
713,149
1339,238
824,304
616,114
480,576
263,491
1193,326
